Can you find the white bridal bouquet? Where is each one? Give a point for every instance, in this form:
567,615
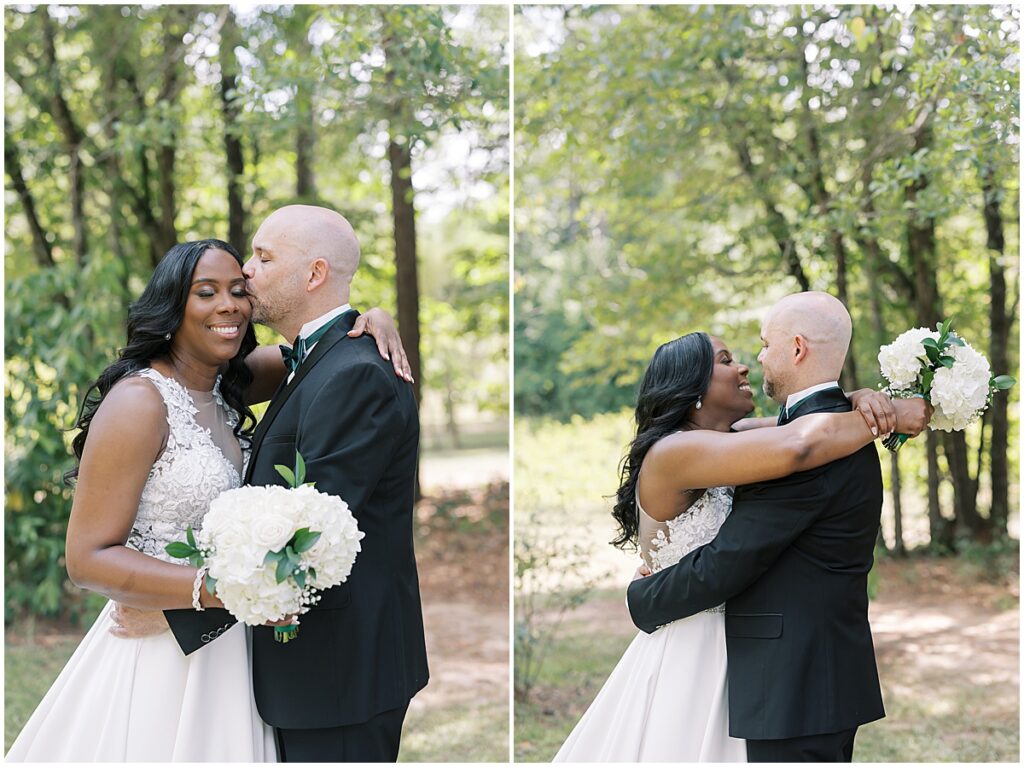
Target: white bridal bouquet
269,549
944,369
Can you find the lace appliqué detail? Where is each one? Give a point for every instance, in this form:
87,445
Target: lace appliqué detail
187,476
695,527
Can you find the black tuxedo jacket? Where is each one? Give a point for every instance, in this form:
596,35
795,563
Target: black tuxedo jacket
361,649
791,563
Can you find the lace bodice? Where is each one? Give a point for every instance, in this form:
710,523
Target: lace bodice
188,475
664,543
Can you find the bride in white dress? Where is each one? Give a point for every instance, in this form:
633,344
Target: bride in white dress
667,698
164,427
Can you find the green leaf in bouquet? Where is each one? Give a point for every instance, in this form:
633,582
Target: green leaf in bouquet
946,362
926,381
930,343
300,578
300,469
190,537
1002,383
196,560
287,473
292,557
955,340
284,569
311,573
272,557
304,540
180,550
211,584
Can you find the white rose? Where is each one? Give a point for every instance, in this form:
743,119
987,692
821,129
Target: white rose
960,393
901,361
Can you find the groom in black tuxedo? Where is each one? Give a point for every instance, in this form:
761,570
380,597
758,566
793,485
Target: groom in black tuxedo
791,563
340,691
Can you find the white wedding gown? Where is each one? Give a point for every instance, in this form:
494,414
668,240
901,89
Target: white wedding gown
142,700
667,698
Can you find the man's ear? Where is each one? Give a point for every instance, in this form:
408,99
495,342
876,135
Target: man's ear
318,272
800,349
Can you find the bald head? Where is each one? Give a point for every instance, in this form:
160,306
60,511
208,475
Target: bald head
806,337
317,233
304,258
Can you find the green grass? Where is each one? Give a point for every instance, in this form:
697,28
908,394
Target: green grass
29,670
936,715
460,733
457,733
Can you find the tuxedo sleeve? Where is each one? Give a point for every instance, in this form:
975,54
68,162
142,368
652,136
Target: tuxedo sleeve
771,516
349,433
193,629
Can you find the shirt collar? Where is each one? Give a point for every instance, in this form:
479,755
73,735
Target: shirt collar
312,326
795,399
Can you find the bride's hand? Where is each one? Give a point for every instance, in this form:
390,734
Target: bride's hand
877,409
378,323
641,572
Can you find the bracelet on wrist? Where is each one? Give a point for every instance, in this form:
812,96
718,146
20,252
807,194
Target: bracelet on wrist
197,588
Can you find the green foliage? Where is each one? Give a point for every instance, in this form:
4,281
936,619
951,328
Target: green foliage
681,168
115,131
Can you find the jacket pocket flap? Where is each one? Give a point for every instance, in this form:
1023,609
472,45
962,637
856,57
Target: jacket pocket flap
755,626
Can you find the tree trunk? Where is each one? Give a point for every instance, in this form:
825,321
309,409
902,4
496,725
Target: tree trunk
921,248
899,547
237,214
406,279
12,163
822,200
72,138
305,128
999,323
872,259
167,153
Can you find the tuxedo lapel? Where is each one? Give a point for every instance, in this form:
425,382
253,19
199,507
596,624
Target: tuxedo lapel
338,332
828,400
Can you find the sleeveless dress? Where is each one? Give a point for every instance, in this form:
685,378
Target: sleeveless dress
142,700
667,698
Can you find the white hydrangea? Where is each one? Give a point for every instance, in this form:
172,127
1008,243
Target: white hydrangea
901,360
246,523
960,393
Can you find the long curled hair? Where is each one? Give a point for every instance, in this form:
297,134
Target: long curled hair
677,376
152,321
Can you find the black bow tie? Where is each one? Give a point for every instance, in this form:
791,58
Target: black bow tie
294,356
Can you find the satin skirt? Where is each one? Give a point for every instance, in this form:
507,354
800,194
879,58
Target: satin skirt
142,700
665,701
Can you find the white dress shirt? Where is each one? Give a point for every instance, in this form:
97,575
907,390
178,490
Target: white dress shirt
313,325
795,399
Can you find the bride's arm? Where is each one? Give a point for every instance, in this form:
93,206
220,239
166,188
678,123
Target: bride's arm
705,458
876,407
268,367
126,436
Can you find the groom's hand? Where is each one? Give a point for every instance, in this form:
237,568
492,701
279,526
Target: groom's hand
378,323
133,623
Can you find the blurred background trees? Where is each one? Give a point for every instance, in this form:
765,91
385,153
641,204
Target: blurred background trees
130,128
681,168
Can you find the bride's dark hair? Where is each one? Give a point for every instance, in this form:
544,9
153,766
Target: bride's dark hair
157,314
678,374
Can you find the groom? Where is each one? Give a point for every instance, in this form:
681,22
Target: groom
791,562
340,691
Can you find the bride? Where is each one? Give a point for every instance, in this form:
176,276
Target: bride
667,699
162,434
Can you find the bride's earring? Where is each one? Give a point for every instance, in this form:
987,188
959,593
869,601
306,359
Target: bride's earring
699,404
167,337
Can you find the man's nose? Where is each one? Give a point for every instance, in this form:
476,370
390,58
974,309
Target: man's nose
248,269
